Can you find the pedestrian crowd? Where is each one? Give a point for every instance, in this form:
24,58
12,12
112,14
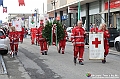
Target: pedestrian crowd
78,37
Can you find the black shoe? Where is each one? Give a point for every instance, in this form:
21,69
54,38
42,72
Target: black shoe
104,61
59,50
81,63
45,52
16,53
75,60
42,53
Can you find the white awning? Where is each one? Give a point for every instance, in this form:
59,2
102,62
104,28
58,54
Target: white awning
111,10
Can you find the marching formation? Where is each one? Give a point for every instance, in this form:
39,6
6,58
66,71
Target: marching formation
78,37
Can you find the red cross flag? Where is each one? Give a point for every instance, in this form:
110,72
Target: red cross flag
4,9
17,25
96,46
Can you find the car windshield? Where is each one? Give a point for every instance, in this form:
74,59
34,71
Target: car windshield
1,33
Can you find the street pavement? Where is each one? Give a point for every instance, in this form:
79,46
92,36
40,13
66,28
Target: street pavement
30,64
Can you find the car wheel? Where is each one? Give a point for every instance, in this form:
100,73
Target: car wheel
3,52
117,46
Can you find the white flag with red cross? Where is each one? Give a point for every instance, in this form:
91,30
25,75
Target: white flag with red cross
17,25
96,46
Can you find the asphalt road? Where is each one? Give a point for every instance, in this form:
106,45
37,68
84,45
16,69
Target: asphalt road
58,66
61,66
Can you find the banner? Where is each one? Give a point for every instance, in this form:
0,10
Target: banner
44,17
96,46
17,25
21,2
1,2
32,22
4,9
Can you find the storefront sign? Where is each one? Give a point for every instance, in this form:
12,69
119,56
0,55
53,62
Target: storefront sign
72,10
64,17
113,4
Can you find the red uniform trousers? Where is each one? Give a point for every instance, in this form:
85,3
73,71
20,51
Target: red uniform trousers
20,36
62,45
54,39
106,47
14,47
33,35
78,50
43,46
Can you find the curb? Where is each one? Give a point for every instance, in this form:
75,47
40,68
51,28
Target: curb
3,65
113,52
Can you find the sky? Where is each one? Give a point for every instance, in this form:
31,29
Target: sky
30,5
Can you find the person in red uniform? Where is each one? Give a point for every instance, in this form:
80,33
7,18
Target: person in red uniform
54,34
22,35
94,28
14,39
78,35
62,42
33,35
42,41
103,29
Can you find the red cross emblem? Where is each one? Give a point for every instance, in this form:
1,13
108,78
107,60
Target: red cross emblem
17,25
96,42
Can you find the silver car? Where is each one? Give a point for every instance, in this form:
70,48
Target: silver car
4,43
117,43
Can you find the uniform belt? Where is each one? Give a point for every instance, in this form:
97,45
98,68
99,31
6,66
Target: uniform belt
79,43
79,36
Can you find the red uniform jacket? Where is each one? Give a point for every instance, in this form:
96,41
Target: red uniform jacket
14,37
94,29
33,31
106,36
78,34
39,34
66,35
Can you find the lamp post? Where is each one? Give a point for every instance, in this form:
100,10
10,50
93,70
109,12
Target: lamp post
54,4
24,19
36,11
108,13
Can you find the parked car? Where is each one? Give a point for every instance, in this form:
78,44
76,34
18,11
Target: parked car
4,43
117,43
69,32
113,34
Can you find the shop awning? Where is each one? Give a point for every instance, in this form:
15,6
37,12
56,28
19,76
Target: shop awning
111,10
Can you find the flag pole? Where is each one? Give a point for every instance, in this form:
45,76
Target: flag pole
79,11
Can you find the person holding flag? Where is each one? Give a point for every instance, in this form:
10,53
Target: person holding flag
62,42
42,41
14,39
103,28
